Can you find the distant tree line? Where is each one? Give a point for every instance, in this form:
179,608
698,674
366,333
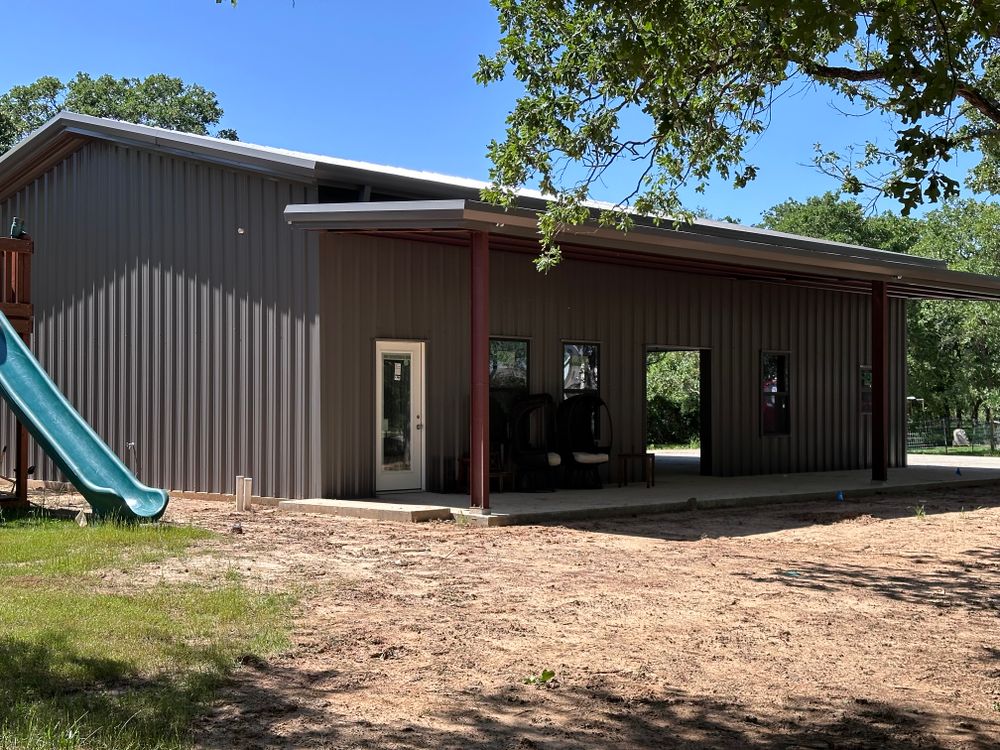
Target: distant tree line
953,359
159,100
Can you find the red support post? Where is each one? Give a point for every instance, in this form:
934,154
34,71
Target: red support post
479,465
880,381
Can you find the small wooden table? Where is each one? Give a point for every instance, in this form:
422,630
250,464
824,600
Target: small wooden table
648,467
501,476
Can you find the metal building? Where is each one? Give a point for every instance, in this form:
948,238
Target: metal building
235,309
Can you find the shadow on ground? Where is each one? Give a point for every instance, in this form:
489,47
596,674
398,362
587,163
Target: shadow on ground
768,518
49,693
971,583
282,711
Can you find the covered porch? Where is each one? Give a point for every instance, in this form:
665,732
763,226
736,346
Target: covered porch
849,295
674,491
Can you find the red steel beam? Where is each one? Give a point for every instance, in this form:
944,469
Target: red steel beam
479,465
880,381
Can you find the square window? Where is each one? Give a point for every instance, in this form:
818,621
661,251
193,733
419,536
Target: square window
581,363
509,365
775,415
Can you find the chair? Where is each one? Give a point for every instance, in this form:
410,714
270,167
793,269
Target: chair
532,435
499,458
582,444
499,435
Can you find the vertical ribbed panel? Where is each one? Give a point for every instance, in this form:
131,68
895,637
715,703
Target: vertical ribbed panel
166,326
393,289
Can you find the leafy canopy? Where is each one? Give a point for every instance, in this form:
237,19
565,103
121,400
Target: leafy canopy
673,398
159,100
681,87
953,354
954,348
831,218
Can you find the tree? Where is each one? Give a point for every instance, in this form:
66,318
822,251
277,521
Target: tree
954,349
680,87
831,218
158,100
673,398
953,354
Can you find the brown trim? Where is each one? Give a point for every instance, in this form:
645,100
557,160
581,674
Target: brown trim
897,289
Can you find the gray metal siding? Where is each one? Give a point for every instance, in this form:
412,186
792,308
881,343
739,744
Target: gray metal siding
395,289
165,326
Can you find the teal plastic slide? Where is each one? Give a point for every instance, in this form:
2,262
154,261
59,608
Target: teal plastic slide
96,472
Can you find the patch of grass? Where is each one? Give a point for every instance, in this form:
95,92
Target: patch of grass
919,511
39,546
960,450
694,443
85,668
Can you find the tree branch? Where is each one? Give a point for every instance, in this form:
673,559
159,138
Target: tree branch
846,74
989,108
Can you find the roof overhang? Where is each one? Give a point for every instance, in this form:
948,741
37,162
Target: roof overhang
68,132
732,251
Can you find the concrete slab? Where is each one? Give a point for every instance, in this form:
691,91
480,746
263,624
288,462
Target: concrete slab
677,489
683,491
372,509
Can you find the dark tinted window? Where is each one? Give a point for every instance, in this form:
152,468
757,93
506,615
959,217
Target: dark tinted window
509,365
866,389
775,417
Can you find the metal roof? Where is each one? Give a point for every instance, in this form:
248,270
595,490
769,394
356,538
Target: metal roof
454,205
71,129
739,253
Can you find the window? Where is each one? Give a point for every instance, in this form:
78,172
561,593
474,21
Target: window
866,389
508,384
774,410
509,365
580,369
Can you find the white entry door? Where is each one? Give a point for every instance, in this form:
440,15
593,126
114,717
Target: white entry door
399,416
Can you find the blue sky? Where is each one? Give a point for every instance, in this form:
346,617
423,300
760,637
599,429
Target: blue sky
387,81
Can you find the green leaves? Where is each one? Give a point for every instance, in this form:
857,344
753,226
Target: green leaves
159,100
679,88
545,677
953,357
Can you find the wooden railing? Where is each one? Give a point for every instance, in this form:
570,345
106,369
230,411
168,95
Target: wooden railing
15,282
15,303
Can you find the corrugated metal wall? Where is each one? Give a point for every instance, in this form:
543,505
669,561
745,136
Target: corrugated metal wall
392,289
165,325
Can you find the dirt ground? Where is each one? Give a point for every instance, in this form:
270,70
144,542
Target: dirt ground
820,625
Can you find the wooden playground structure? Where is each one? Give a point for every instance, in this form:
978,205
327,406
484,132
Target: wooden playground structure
15,303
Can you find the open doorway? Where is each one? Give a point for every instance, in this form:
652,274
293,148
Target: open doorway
678,409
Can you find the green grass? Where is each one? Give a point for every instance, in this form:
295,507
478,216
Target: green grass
85,667
39,546
693,443
962,450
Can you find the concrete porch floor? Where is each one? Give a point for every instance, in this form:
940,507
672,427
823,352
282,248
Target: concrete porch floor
678,487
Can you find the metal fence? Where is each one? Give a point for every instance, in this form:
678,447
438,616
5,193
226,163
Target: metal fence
944,435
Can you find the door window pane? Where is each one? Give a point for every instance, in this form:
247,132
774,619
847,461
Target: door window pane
581,363
775,415
396,398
